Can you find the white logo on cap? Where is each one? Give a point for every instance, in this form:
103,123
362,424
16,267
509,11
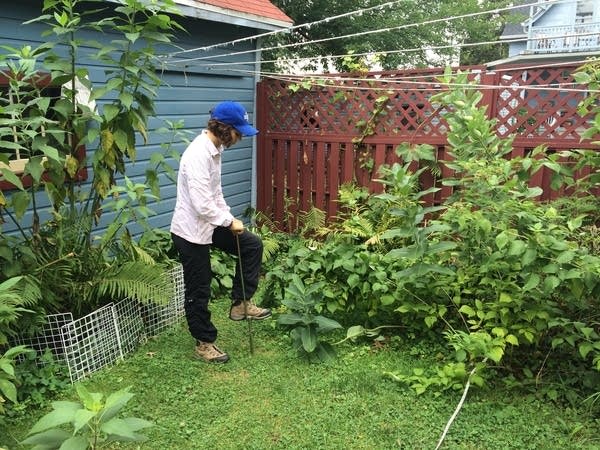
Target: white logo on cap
246,117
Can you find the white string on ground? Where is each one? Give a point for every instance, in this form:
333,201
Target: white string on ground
457,410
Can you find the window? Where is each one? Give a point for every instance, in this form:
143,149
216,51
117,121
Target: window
585,11
30,124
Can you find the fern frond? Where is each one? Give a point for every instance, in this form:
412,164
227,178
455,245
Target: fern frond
311,220
142,255
137,280
358,226
271,246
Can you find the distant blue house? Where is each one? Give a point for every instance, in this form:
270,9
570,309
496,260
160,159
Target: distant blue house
190,86
568,30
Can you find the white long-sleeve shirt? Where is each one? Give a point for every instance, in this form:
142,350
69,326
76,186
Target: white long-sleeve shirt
200,206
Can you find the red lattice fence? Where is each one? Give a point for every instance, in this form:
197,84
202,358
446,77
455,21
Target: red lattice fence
306,148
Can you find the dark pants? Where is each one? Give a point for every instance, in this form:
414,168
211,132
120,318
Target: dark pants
197,275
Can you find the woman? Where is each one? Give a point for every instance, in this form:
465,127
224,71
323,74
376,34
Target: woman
202,219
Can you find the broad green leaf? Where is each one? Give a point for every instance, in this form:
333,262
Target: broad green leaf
20,203
499,331
430,321
35,168
387,299
121,139
565,257
137,424
532,282
575,223
309,339
7,367
48,439
11,145
517,247
110,112
587,332
8,390
325,352
64,107
81,418
118,427
441,247
501,240
289,319
528,257
13,179
511,339
495,353
466,309
355,331
91,400
551,283
325,324
126,98
75,443
63,412
114,403
570,274
585,348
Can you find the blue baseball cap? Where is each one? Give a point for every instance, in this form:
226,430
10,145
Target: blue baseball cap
234,114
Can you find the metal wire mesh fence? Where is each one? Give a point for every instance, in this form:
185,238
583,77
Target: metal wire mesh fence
106,335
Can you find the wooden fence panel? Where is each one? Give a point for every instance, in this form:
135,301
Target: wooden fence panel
313,141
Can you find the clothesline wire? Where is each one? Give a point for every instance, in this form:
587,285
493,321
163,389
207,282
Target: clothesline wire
357,12
437,85
384,52
368,32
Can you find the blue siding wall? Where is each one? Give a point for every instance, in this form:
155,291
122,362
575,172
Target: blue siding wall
186,94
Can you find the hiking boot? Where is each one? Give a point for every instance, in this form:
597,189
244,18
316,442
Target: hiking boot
209,352
250,311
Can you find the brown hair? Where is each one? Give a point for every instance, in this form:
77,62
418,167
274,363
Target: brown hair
222,131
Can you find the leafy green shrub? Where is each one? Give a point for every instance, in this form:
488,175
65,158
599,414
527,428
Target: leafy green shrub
516,273
8,390
511,282
40,379
307,325
94,422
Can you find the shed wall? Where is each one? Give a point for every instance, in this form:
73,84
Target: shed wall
187,93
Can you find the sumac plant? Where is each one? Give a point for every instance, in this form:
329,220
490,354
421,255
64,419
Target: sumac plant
518,274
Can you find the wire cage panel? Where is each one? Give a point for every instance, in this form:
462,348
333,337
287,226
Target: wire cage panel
92,342
106,335
48,338
157,318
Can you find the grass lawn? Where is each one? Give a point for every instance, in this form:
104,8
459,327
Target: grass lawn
274,400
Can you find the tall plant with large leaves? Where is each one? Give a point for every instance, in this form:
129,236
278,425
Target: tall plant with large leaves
59,244
521,284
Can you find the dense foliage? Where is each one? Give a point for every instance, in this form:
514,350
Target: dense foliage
510,283
57,261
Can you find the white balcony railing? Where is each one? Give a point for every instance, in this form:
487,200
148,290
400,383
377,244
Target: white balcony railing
567,38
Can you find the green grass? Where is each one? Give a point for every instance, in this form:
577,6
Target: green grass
274,400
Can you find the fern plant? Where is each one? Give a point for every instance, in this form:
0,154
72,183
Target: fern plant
18,297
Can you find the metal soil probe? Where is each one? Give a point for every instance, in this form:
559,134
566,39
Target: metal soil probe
250,340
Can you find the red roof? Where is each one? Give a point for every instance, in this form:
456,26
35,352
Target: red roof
261,8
